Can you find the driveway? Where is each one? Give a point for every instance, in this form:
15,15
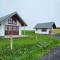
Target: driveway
54,54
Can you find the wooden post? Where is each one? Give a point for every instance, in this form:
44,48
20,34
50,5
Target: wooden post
24,29
50,33
36,36
11,42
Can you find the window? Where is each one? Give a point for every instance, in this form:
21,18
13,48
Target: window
10,21
9,28
0,24
14,22
17,28
36,29
14,28
43,30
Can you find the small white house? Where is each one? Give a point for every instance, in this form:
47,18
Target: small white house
45,28
11,24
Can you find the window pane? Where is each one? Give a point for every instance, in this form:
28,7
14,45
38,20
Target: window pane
17,28
44,30
14,22
10,28
6,27
14,28
10,21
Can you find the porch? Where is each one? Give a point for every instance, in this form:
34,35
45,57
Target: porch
15,36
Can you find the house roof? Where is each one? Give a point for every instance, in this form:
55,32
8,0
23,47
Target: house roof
11,15
45,25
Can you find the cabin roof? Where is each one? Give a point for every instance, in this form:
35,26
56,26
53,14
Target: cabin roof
11,15
45,25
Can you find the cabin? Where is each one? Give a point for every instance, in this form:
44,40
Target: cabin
11,24
45,28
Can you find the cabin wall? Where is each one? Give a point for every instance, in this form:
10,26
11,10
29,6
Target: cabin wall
18,24
40,32
19,27
5,22
20,33
2,29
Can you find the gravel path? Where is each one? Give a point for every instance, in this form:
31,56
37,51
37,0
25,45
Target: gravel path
57,37
54,54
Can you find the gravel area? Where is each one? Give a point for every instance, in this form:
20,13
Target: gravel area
54,54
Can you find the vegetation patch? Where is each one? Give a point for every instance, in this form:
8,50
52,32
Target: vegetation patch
27,48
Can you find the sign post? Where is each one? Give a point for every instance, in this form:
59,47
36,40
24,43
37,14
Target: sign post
11,39
11,42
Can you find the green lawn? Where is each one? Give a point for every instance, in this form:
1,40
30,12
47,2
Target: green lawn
27,48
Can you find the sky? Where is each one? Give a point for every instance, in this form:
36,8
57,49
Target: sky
33,11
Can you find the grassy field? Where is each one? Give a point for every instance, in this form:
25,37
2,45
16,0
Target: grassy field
56,31
27,48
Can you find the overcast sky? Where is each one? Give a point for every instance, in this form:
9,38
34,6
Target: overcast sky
33,11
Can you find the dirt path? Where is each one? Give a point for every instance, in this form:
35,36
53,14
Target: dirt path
54,54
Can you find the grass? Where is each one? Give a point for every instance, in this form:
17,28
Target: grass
27,48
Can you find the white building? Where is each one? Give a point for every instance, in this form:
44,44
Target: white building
45,28
11,24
